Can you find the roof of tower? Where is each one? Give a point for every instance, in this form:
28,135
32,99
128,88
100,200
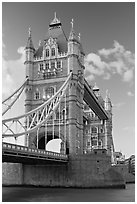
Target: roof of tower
39,51
95,87
29,42
55,21
72,35
55,31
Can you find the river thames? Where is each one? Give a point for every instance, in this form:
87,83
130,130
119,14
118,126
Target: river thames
38,194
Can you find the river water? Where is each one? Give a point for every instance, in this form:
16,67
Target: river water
38,194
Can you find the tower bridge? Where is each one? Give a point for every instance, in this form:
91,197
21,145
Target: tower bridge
59,104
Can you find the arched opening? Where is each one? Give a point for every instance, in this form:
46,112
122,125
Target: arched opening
52,143
41,143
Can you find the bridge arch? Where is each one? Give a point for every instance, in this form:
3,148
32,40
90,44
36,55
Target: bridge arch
49,137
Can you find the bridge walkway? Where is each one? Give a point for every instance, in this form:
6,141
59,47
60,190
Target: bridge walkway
22,154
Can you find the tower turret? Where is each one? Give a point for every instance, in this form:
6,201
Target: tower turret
96,91
108,104
30,50
75,51
108,125
76,93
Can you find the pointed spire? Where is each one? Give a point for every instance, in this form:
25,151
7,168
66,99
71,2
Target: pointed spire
79,35
29,42
40,42
95,88
55,21
72,23
29,32
107,98
107,93
72,35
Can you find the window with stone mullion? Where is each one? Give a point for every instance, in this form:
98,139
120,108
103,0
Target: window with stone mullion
52,65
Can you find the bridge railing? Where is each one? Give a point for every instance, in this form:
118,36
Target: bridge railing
24,149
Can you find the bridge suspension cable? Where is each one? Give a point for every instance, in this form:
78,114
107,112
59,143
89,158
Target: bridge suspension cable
10,100
31,121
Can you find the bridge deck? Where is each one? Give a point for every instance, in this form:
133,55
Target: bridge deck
21,154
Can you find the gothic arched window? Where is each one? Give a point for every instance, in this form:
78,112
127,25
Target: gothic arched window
94,130
52,51
47,52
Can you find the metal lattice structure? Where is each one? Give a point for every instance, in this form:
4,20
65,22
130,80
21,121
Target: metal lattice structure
31,121
10,101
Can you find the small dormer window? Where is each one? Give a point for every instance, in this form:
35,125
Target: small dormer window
37,95
53,52
47,52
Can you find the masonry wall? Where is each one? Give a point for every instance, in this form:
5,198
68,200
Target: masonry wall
124,171
84,171
12,174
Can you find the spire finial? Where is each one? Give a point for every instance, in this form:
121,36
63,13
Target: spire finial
72,23
79,35
29,31
55,16
40,42
107,92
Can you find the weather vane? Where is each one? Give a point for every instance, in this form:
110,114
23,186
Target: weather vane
72,22
29,31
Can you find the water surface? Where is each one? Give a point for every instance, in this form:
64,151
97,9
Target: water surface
38,194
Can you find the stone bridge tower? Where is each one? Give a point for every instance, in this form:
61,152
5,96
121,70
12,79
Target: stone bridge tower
108,127
47,68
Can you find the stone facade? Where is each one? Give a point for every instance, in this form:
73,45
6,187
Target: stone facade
47,68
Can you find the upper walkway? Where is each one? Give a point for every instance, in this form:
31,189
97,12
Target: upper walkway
93,102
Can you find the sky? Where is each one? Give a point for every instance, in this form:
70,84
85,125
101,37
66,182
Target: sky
108,38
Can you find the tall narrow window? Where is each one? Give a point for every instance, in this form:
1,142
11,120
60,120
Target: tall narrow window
40,67
47,52
47,65
58,64
88,143
52,65
53,52
37,95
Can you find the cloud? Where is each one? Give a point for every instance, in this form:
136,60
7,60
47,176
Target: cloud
129,93
130,129
106,62
118,105
13,72
128,75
